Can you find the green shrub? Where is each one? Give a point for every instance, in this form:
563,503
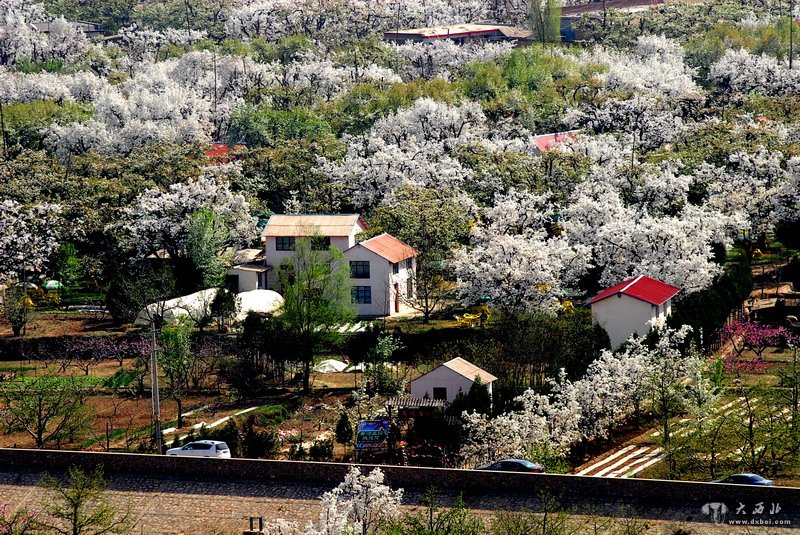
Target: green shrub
121,379
344,429
707,310
297,453
258,444
321,450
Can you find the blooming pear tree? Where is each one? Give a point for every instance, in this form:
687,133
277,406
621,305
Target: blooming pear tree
409,148
615,386
739,72
161,219
360,504
28,237
516,260
440,58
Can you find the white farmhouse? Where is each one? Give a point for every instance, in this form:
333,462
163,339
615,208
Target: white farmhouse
446,381
632,307
382,268
281,232
382,274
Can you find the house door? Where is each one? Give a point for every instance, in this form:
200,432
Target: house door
396,298
232,283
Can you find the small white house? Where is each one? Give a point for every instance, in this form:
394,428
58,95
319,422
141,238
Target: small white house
249,271
446,381
382,275
632,307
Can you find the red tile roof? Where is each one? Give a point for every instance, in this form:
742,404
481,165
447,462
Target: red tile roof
389,247
642,287
546,142
220,151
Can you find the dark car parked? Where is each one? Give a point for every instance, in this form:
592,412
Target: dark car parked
746,479
513,465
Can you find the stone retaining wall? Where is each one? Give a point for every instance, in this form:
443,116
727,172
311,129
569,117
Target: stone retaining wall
565,487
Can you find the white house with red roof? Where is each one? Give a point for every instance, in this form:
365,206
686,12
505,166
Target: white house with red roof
382,268
632,307
382,274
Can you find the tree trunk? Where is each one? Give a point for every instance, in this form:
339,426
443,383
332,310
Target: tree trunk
179,402
307,373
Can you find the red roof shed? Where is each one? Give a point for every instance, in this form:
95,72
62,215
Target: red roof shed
642,287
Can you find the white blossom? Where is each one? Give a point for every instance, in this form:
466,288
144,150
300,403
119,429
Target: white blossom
160,219
28,237
410,147
360,504
515,260
740,72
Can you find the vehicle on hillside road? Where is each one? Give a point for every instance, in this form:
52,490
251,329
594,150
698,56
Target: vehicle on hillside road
514,465
746,479
202,448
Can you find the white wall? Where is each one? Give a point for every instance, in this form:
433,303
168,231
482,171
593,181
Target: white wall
382,281
275,257
621,316
441,377
248,280
343,243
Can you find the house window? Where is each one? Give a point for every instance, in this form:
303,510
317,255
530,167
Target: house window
320,243
440,392
284,244
395,268
409,263
359,269
262,280
362,295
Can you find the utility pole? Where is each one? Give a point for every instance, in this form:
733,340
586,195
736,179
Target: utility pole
791,33
154,388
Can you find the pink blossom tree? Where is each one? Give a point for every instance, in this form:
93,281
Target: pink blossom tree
748,335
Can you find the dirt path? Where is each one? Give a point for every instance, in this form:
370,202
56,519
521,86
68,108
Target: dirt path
637,455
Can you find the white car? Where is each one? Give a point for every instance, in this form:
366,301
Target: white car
203,448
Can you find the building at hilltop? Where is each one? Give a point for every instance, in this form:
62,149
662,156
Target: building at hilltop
459,33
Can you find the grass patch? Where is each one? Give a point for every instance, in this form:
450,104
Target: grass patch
121,379
56,382
270,415
17,369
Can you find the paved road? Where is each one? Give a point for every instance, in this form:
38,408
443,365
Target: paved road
169,506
